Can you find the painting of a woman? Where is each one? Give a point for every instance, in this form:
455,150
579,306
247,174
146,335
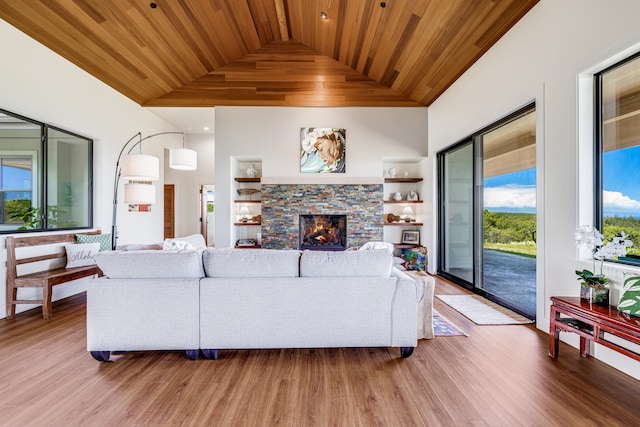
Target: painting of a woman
322,150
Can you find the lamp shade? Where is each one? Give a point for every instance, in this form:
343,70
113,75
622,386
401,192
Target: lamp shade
140,167
407,211
183,159
142,194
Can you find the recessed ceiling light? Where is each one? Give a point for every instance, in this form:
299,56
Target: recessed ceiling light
206,128
324,15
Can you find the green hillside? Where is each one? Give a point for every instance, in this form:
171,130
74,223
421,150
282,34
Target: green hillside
516,232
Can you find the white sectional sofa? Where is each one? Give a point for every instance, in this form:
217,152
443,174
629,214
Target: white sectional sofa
217,299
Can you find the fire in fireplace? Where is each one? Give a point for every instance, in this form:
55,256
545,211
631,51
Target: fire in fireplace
323,232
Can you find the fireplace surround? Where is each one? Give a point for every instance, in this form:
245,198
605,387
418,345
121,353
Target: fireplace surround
282,205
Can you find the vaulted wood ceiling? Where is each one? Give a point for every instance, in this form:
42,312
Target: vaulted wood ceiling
270,52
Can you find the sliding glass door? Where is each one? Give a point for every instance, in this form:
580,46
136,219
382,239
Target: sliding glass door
457,212
487,219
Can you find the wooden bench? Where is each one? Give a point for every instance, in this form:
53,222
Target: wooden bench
46,278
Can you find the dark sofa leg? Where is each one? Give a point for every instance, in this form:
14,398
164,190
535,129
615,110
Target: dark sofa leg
101,356
192,354
210,354
406,352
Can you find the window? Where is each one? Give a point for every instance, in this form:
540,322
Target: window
41,165
617,197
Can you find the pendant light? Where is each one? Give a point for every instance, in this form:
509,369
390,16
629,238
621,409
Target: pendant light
183,158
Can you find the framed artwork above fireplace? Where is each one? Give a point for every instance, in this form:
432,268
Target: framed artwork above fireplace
322,150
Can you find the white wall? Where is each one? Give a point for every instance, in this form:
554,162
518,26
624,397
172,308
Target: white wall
187,197
273,134
37,83
540,59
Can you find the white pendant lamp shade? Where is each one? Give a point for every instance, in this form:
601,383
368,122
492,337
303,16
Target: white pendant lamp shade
183,159
141,194
140,167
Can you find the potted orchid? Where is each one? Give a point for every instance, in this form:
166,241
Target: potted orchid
594,286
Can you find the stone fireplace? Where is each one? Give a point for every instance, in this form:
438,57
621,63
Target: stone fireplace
283,204
323,232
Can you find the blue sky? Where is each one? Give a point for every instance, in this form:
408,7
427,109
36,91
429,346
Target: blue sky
16,179
512,192
621,182
515,192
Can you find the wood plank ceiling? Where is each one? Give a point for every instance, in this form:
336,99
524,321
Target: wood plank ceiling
270,52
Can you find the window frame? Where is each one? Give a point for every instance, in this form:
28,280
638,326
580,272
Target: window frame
40,196
598,151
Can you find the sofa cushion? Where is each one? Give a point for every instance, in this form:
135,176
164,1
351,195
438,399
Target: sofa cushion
227,262
150,264
370,263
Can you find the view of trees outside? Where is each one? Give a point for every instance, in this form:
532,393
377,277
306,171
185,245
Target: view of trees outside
509,213
621,195
16,188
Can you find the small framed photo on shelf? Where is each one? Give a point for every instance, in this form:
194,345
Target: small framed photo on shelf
410,237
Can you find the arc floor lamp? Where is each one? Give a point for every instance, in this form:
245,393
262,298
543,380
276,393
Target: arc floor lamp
141,170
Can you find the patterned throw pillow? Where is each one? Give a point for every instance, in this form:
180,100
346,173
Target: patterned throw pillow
415,258
103,239
176,245
81,254
630,299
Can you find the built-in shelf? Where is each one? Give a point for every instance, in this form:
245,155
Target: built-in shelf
403,201
405,224
248,247
247,201
246,179
403,179
404,246
247,223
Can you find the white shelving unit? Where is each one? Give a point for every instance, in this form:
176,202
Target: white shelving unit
408,177
245,207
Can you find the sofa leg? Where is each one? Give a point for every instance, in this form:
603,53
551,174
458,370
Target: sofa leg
101,356
210,354
192,354
406,351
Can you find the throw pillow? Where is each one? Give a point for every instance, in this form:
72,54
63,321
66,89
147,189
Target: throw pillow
81,254
103,239
630,299
176,245
415,258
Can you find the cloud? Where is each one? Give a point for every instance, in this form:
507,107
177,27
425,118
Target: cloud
510,196
616,201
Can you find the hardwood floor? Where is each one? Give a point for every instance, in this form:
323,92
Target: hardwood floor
497,376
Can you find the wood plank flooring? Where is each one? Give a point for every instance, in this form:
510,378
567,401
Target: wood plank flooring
497,376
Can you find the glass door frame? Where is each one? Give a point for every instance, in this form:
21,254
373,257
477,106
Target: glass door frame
477,210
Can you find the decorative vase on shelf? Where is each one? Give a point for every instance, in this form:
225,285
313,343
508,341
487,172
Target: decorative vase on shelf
252,172
599,296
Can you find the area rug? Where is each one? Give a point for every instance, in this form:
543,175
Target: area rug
443,327
482,311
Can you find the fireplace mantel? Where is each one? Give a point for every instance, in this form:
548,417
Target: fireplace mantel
322,179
